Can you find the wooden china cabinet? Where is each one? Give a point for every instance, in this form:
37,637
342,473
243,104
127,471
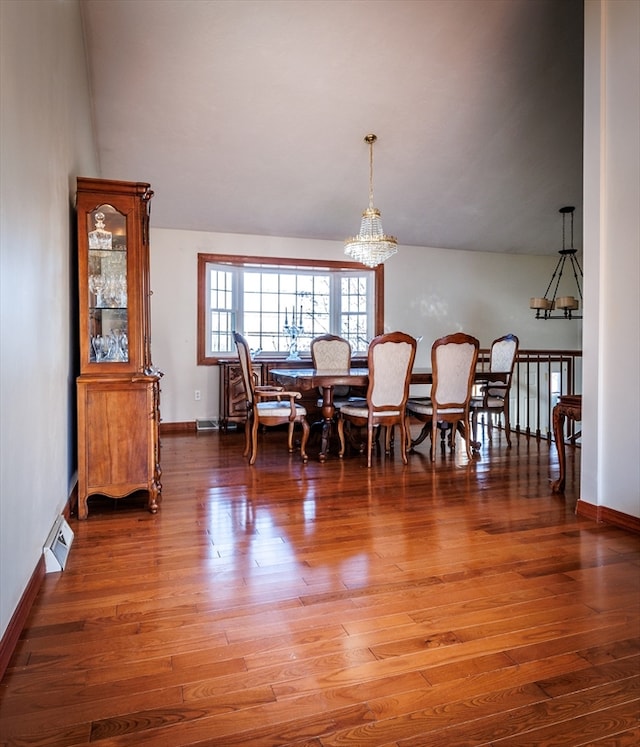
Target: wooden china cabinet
118,387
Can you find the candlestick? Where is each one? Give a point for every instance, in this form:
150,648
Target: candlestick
293,330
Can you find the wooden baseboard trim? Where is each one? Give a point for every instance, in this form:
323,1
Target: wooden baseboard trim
606,515
16,624
188,427
586,510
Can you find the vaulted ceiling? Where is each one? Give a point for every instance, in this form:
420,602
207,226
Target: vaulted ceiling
249,116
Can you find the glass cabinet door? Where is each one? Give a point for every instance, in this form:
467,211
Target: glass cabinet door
107,286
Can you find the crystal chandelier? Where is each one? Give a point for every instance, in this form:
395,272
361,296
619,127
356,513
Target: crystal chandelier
565,305
371,246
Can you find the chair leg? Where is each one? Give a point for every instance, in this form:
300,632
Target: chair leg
474,424
306,429
290,436
341,436
403,441
377,431
388,439
247,436
434,433
369,444
507,423
467,440
254,441
452,434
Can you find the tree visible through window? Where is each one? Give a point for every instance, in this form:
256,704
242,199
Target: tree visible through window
268,300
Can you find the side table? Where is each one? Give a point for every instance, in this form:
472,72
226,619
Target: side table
569,406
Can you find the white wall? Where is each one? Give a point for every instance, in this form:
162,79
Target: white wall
46,141
611,388
429,292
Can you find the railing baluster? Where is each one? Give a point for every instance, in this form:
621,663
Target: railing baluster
530,405
550,402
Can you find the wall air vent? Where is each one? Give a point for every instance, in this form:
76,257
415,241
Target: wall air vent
57,546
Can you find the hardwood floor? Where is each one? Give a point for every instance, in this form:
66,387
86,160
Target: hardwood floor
325,605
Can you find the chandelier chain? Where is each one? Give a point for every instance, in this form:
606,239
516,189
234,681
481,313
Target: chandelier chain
371,140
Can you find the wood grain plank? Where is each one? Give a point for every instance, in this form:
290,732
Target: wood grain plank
542,721
296,605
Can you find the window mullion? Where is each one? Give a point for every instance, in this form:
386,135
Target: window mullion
238,297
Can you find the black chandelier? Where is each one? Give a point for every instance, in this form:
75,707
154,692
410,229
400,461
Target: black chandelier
565,306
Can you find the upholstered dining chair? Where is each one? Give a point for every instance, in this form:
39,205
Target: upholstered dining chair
269,406
453,363
390,360
332,353
494,399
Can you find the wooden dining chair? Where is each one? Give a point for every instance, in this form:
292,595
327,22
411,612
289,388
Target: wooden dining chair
453,363
332,353
494,399
390,360
268,406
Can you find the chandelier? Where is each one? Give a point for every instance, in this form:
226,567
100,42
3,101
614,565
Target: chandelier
546,306
371,246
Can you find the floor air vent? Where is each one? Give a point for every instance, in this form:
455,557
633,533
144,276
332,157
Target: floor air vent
206,425
57,546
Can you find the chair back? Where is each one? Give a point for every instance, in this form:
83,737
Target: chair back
503,358
453,362
503,353
244,356
390,359
331,353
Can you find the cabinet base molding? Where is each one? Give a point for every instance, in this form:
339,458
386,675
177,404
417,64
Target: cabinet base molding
606,515
183,427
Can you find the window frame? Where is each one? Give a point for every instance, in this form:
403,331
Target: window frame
237,260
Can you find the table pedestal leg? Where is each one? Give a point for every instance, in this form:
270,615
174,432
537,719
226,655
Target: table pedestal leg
328,411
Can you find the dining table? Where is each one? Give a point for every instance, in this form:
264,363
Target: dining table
306,379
